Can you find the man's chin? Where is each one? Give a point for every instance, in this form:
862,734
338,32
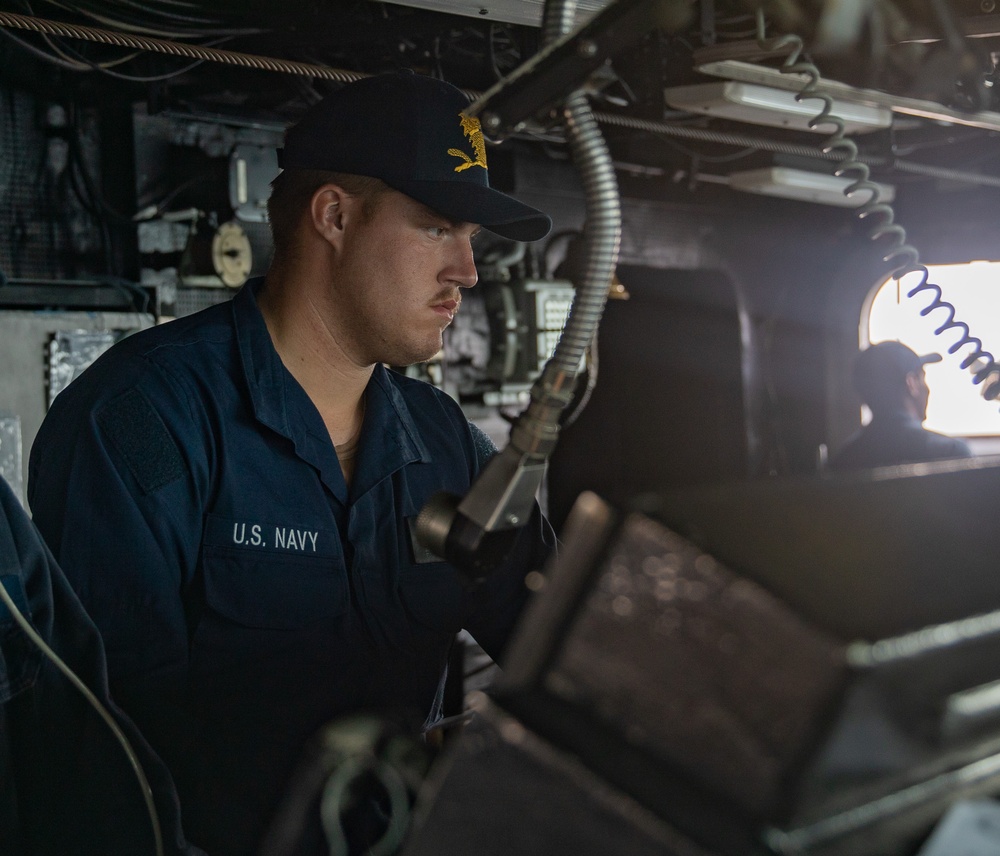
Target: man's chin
419,356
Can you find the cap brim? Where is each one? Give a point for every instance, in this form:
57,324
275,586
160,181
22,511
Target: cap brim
473,203
929,358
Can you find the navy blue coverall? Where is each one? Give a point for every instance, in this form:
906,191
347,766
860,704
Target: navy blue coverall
190,489
894,438
66,785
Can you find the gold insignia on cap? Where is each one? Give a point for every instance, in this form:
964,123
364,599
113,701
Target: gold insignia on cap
472,130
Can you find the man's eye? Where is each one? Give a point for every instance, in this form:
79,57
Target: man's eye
436,231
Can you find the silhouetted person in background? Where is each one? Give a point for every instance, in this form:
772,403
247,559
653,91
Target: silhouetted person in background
889,377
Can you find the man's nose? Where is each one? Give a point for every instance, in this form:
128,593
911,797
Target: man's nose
463,267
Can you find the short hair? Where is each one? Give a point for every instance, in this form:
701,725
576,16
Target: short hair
292,189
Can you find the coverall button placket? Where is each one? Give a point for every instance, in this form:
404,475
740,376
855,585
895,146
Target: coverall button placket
381,461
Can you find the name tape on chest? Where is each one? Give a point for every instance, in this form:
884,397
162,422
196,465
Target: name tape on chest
249,534
280,537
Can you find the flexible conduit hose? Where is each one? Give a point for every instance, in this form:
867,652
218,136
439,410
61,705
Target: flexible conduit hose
536,429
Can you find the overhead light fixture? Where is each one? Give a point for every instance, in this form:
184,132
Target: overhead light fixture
779,108
806,186
775,78
526,12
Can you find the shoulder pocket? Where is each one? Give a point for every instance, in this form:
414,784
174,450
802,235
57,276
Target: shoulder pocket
20,658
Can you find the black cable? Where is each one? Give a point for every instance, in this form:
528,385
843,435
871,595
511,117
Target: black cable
38,52
137,296
14,153
135,78
691,153
140,23
88,195
148,12
74,60
100,203
18,232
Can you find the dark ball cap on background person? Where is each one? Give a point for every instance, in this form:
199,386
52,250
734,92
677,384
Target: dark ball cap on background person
880,370
410,131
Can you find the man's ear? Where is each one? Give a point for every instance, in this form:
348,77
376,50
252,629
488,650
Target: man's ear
326,211
913,384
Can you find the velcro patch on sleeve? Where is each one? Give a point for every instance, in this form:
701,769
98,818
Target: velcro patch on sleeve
135,429
485,447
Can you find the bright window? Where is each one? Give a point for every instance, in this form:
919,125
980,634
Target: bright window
956,404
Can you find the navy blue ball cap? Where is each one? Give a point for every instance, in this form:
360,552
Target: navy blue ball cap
888,362
410,131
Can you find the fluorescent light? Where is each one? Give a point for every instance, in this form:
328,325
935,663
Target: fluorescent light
526,12
764,105
805,186
773,77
